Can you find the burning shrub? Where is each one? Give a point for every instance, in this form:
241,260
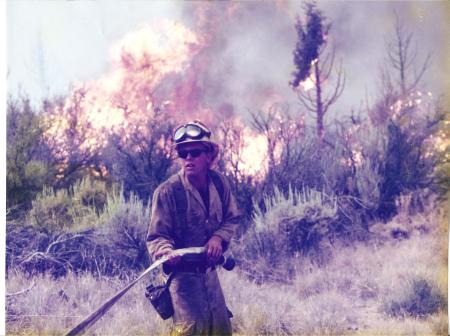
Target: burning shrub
412,151
69,209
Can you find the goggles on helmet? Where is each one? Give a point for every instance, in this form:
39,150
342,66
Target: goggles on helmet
193,131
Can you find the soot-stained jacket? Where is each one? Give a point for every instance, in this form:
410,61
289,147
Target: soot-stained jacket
198,300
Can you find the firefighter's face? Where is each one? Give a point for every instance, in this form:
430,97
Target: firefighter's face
195,159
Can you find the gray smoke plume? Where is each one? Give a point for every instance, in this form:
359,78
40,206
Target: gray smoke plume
248,61
250,58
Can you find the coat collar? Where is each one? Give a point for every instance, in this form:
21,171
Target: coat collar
196,194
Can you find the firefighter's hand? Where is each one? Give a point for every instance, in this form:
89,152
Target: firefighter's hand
214,249
173,259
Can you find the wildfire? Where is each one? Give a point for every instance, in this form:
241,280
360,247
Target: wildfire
254,159
414,101
438,144
414,110
352,137
309,82
124,100
154,77
161,49
244,151
356,158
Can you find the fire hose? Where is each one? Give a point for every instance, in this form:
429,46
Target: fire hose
100,311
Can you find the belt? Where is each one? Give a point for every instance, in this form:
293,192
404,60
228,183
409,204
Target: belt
190,267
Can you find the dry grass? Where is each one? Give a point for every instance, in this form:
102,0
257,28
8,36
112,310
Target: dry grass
348,296
52,307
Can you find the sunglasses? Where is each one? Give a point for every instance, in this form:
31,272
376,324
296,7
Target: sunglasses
194,153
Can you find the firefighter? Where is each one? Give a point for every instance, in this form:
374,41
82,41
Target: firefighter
194,208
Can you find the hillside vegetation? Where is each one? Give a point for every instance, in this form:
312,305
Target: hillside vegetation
394,283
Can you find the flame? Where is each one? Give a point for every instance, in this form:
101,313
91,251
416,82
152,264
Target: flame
154,77
352,136
438,144
244,150
415,106
123,101
357,158
254,155
154,69
158,49
308,83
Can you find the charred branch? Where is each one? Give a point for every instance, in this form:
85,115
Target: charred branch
403,59
314,100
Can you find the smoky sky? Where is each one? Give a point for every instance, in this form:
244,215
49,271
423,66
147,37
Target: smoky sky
249,55
254,59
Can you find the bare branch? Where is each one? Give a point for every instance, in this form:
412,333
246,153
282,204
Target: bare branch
338,89
307,101
327,65
403,58
418,76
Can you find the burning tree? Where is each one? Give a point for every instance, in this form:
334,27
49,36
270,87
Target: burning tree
234,138
401,73
314,68
75,143
410,121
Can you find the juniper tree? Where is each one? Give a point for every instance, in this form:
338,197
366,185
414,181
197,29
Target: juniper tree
311,62
26,155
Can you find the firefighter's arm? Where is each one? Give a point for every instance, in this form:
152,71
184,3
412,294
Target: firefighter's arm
160,232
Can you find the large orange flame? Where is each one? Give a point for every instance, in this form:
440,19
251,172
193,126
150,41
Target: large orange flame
154,77
123,101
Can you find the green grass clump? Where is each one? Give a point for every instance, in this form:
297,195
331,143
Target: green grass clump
72,209
298,223
122,230
306,204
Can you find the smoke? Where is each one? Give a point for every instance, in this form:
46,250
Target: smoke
361,32
248,55
247,60
214,61
250,47
240,60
